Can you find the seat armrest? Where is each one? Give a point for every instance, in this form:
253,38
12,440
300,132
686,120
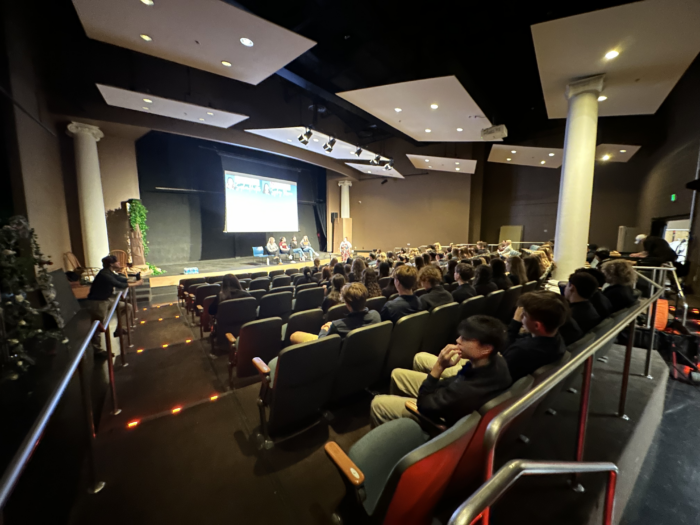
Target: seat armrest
200,308
263,369
434,426
231,340
345,464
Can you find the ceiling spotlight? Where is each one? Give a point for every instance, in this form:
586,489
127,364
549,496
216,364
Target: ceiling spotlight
601,98
606,157
551,154
147,100
433,106
375,160
210,113
430,166
508,160
146,38
427,160
147,2
328,146
247,42
623,151
460,129
224,63
304,137
611,54
289,140
201,119
428,130
358,151
398,110
513,151
369,171
315,140
146,108
389,165
457,163
456,169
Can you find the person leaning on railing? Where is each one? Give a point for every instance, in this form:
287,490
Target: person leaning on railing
101,296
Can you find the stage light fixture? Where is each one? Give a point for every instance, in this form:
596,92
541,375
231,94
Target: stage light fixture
389,165
147,100
305,137
542,162
358,151
385,181
460,129
328,146
433,106
375,160
211,115
551,154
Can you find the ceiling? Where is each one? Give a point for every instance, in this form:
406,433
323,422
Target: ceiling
375,170
433,163
656,40
527,156
146,103
615,152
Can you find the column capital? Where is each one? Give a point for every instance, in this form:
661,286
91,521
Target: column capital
78,127
585,85
344,183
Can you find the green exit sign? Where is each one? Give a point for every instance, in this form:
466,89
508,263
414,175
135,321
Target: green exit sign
673,197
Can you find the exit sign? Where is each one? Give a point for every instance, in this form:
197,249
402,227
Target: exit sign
673,197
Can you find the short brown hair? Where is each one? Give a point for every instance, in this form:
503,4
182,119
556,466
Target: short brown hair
465,271
406,275
548,308
355,295
619,272
430,274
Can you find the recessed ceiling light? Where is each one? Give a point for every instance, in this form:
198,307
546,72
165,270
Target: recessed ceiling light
623,151
606,157
147,2
428,130
398,110
315,140
147,100
146,38
224,63
201,119
427,160
601,98
369,171
210,113
541,162
289,140
430,166
247,42
513,151
456,169
146,108
433,106
508,160
460,129
457,163
611,54
551,154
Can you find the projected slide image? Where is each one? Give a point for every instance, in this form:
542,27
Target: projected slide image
260,204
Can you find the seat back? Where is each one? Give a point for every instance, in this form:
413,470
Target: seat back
440,328
233,314
205,318
275,273
289,288
383,281
405,343
452,287
257,275
305,286
309,321
303,381
215,279
409,491
506,309
261,338
362,357
187,282
291,271
471,306
376,303
243,276
261,283
529,286
245,283
281,280
205,290
493,301
420,291
337,312
276,305
258,294
308,299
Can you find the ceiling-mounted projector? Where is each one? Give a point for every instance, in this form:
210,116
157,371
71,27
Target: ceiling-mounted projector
494,132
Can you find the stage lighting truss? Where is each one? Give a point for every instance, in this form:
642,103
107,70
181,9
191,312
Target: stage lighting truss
305,137
389,165
375,161
328,146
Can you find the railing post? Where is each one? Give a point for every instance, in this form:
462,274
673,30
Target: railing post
120,330
95,486
610,498
626,372
583,416
126,317
134,307
110,368
652,333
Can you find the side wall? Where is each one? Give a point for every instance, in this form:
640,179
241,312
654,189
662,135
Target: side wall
120,177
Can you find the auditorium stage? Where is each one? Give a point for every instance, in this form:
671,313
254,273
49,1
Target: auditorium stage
210,268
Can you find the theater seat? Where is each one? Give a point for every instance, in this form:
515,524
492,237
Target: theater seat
275,273
337,312
471,306
261,283
296,386
256,275
203,291
530,286
183,287
309,321
232,315
384,281
258,294
420,291
396,475
291,271
261,338
440,328
405,343
308,299
376,303
493,301
507,307
305,286
276,305
281,280
289,289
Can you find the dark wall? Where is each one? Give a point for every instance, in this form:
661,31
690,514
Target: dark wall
188,225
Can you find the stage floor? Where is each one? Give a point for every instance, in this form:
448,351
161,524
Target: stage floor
175,271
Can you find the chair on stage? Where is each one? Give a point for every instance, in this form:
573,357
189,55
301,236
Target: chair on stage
122,259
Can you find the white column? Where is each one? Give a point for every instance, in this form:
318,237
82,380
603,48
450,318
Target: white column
92,209
344,198
576,189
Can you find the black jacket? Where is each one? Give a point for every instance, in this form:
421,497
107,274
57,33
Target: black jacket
463,292
105,282
400,307
503,283
525,353
620,297
436,296
601,304
458,396
354,320
514,279
584,313
485,289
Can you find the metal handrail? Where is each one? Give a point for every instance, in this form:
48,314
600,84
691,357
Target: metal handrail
19,461
494,488
681,295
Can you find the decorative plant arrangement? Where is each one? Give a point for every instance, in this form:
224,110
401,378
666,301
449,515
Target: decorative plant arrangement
138,237
23,270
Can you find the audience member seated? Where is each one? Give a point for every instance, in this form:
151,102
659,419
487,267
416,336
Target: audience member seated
384,269
418,262
339,269
463,274
317,266
516,270
325,274
590,255
621,278
333,297
306,278
578,292
483,284
452,263
390,288
306,247
372,260
481,248
358,266
601,303
355,297
441,387
294,246
601,255
230,289
541,314
406,303
430,278
369,279
498,267
533,268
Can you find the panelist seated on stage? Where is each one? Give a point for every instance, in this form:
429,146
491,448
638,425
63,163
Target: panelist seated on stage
305,246
272,249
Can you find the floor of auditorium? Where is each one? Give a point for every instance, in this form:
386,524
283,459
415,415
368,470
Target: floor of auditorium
201,463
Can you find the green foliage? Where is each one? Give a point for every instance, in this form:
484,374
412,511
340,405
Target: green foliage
137,216
154,269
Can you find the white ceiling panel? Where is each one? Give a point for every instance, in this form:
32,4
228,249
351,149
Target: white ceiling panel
656,40
341,149
196,33
431,162
375,170
527,156
456,110
164,107
615,152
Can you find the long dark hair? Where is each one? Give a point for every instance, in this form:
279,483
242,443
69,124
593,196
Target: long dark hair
337,282
533,269
230,283
483,275
369,279
499,268
419,262
384,269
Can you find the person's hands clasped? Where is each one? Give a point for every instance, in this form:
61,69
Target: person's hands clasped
327,326
446,359
518,316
